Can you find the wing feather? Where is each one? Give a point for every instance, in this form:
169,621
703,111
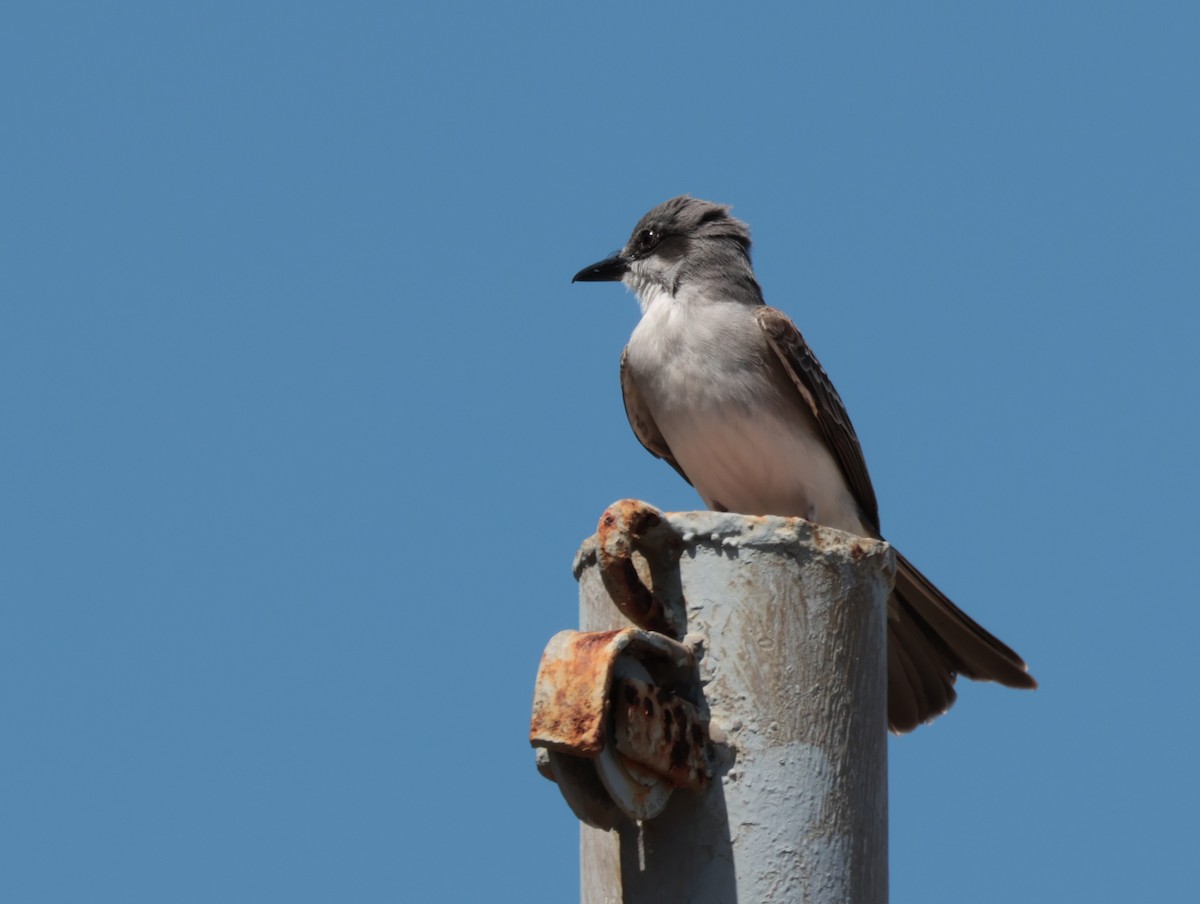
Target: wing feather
826,405
640,420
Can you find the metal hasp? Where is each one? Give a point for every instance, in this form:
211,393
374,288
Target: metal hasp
637,553
611,711
787,624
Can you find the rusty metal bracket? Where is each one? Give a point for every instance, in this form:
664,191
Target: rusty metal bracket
662,731
638,555
622,720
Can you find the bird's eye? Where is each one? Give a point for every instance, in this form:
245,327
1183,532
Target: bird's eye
647,239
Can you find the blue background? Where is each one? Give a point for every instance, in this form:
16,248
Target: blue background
303,420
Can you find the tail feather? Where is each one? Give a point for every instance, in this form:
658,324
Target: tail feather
904,710
933,641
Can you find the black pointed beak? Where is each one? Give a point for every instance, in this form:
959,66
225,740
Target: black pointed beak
611,269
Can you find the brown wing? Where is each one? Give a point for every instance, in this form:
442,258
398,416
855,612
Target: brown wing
826,405
640,420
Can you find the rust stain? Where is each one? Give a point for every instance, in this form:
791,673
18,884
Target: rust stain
570,697
622,532
663,733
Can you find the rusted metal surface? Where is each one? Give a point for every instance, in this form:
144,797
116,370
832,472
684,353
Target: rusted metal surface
638,552
637,778
658,729
570,699
585,687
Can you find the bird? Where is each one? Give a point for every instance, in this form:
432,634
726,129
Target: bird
726,390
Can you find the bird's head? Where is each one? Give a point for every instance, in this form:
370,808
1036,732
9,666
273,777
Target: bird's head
678,241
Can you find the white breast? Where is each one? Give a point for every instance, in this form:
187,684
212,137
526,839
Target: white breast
738,430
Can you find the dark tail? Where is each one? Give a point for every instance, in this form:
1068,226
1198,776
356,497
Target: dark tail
930,641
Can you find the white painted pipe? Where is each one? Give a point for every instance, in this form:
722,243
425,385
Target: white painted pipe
791,622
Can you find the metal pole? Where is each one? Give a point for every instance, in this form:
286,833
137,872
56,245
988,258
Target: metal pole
789,620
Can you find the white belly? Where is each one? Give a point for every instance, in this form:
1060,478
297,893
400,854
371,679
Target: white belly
761,465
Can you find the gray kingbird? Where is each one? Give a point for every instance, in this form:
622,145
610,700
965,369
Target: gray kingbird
726,391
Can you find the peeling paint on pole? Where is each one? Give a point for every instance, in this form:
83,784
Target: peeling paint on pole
787,620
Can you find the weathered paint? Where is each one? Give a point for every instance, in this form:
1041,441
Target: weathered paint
788,623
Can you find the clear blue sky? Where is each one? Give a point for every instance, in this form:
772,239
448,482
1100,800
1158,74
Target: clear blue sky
303,419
